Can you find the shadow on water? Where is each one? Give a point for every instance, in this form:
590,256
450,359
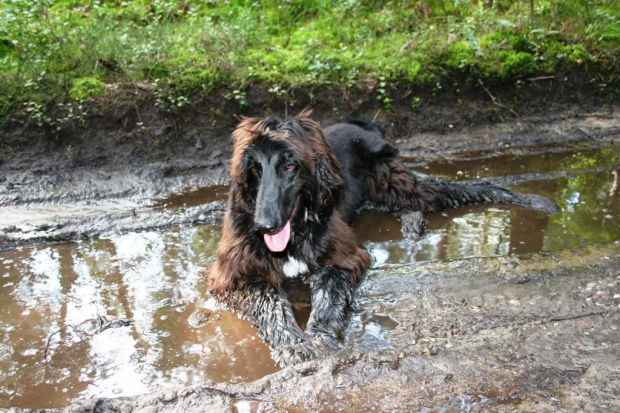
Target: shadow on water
56,299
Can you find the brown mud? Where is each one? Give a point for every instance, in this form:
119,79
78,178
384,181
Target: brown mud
496,308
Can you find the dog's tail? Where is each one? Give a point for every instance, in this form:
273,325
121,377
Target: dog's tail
435,195
368,125
397,189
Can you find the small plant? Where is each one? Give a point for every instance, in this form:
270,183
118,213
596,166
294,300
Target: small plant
437,88
8,153
518,84
382,95
277,91
352,77
238,96
86,87
168,100
415,103
70,113
35,114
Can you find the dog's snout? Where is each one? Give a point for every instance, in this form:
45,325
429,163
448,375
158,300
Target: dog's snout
265,225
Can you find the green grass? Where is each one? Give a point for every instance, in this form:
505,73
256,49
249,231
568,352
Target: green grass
57,51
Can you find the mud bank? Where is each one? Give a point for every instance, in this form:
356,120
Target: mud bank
530,333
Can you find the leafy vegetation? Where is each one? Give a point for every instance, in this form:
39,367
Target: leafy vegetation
55,50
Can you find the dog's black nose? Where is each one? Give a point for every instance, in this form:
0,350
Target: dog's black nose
265,226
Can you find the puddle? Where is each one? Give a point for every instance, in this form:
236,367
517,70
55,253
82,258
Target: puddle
585,186
367,331
54,349
543,159
194,198
152,278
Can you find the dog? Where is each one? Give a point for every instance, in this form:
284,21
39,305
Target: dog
295,188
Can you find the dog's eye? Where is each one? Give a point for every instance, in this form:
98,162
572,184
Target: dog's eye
289,166
254,170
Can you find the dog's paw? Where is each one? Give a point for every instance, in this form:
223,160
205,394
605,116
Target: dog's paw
292,354
326,342
413,225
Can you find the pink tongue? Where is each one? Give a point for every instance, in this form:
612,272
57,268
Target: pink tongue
278,241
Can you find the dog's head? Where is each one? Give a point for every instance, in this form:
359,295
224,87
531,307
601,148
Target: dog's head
282,170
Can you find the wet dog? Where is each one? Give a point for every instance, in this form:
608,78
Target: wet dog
294,190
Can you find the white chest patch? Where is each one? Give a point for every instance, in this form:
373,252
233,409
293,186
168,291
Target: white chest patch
292,268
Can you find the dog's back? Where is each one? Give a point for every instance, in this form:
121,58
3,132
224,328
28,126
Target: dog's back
359,146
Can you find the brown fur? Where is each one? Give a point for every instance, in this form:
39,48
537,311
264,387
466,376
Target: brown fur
330,180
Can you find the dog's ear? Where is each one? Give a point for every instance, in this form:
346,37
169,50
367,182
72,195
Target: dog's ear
248,128
327,170
329,180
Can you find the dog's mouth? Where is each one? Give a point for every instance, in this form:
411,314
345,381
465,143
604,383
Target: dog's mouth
278,241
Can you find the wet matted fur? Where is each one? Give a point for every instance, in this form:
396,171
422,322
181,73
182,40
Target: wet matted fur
294,191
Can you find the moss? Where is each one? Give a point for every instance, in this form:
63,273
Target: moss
521,43
517,64
86,87
460,56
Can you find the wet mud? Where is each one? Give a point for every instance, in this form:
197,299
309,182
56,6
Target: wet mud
530,333
495,308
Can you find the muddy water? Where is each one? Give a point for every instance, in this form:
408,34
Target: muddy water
583,182
128,314
63,295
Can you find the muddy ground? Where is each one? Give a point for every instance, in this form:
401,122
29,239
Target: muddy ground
536,333
532,332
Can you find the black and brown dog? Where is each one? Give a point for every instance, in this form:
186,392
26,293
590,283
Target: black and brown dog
295,189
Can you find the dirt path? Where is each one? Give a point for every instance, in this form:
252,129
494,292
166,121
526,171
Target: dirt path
51,195
534,332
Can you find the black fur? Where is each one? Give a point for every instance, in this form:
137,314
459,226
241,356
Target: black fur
287,173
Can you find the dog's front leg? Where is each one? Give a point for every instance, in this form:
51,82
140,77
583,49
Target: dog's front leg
271,312
331,306
413,224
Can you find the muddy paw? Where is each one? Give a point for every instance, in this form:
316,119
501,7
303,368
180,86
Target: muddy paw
414,225
326,342
295,353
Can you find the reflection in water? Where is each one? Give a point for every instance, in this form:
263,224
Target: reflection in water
479,230
194,198
366,331
153,278
543,159
590,213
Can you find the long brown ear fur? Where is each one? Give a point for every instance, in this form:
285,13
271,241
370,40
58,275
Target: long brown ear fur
243,136
327,169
